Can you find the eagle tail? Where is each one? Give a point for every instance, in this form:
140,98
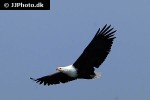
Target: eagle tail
97,75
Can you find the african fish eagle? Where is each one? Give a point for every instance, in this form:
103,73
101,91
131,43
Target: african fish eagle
83,68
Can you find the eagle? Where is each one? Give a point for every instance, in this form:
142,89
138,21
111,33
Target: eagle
84,67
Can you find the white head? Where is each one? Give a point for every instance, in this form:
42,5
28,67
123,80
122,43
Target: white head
69,70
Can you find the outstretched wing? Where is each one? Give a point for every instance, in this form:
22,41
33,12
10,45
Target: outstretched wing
55,78
97,50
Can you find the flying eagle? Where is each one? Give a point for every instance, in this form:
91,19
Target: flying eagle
83,68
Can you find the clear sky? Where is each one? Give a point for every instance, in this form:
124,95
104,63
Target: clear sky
35,43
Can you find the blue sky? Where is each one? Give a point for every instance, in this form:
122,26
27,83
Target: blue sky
35,43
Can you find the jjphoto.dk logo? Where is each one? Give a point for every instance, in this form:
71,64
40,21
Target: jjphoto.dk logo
40,4
34,5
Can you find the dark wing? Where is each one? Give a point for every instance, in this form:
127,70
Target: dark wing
55,78
97,50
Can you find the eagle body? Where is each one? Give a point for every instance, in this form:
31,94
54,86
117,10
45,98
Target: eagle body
90,59
73,72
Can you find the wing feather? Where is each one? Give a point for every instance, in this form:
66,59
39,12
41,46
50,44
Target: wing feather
55,78
97,50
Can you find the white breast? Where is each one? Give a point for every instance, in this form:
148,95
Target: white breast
70,71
